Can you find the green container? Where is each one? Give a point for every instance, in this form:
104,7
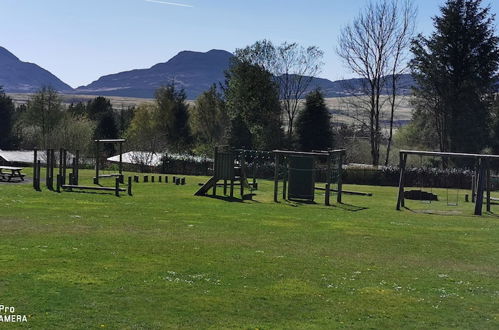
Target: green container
301,178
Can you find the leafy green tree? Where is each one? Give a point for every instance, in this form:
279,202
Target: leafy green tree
75,132
142,133
293,68
455,71
78,109
7,109
313,125
173,117
43,114
208,121
252,96
99,107
238,134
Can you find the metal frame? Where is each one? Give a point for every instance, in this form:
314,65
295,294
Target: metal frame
482,185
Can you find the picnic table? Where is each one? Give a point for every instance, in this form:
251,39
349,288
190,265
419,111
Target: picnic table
8,173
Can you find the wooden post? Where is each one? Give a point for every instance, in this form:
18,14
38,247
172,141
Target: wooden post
117,187
64,165
474,183
215,161
487,164
480,187
129,186
52,166
166,178
160,178
242,175
285,162
59,183
35,169
47,166
225,187
96,179
400,199
146,178
61,154
38,175
152,178
340,179
73,173
76,173
328,180
276,176
120,166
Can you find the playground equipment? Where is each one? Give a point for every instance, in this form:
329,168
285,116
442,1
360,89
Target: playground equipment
299,170
62,177
480,182
230,166
97,161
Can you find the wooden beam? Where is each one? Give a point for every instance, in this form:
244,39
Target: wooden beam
402,163
340,180
276,175
328,181
480,187
448,154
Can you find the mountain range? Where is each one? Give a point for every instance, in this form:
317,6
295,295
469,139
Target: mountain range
193,71
17,76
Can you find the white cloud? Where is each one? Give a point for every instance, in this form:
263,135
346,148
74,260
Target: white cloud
170,3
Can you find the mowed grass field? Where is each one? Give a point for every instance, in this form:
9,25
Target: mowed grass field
166,259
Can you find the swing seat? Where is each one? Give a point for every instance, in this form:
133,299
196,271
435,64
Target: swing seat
420,195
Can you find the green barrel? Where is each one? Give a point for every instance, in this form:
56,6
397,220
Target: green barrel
301,177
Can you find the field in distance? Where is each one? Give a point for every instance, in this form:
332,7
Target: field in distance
344,110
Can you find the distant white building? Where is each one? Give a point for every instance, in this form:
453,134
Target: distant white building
25,157
151,158
20,157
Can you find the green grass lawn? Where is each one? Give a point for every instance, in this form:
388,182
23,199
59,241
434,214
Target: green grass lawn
166,259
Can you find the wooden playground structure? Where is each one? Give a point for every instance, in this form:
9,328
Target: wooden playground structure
480,183
297,170
70,181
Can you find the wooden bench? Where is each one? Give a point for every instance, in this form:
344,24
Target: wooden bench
15,172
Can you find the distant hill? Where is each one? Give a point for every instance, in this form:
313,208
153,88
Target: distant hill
194,71
17,76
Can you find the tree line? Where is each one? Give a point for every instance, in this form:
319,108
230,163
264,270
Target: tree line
267,100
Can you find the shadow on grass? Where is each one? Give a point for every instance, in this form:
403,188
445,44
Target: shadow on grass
343,206
435,212
90,192
248,197
350,207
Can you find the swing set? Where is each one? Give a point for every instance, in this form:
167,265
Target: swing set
480,181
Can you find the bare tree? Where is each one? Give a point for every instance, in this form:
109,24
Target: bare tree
405,28
374,47
293,66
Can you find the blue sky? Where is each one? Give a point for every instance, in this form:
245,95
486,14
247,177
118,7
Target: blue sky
81,40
